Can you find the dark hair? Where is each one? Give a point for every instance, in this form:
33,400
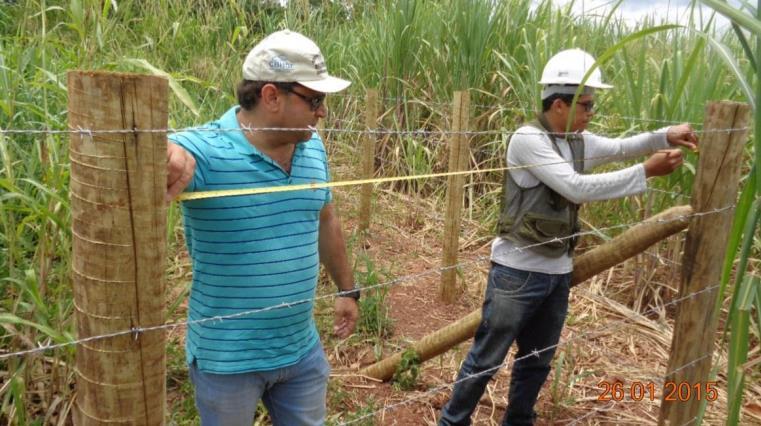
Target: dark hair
547,102
249,92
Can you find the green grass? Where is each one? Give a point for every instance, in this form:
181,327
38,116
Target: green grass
374,320
417,53
407,372
565,375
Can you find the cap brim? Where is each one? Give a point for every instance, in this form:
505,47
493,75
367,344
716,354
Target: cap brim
329,84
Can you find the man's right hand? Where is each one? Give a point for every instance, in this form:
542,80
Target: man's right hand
663,162
180,166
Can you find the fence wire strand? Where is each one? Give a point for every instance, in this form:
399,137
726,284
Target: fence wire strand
617,324
136,331
334,184
500,107
380,131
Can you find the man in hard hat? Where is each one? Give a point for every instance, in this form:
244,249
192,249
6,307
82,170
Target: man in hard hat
256,257
532,257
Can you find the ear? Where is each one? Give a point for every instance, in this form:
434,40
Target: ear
270,97
558,104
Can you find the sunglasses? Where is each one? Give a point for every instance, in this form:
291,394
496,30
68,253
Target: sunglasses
314,102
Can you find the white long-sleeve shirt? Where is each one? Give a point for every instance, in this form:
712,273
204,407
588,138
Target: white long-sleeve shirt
529,146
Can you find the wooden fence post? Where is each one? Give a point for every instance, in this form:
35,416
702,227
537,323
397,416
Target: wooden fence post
367,162
118,182
715,187
458,161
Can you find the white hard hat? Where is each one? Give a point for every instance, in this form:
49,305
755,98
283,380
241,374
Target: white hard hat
569,68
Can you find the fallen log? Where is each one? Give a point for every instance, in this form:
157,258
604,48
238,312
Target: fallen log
630,243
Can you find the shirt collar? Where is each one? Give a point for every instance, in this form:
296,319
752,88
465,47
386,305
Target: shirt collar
229,120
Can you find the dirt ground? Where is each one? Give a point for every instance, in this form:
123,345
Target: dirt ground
605,341
617,331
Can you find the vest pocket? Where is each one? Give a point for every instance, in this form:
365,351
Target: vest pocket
544,229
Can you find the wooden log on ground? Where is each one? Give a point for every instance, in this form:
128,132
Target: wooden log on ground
630,243
118,182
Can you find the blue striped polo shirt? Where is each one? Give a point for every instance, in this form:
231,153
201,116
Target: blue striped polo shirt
251,252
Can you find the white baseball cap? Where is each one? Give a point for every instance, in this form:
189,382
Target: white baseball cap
286,57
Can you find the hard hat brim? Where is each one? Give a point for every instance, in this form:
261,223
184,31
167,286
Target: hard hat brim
563,82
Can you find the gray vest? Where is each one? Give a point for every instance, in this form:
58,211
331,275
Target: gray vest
539,215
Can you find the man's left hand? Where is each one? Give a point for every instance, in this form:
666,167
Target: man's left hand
346,314
682,135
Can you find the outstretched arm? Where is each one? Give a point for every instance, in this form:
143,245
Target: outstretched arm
602,150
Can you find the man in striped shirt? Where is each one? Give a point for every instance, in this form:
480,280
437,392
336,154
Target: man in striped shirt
256,257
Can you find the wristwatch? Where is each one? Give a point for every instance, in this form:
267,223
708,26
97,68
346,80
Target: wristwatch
353,293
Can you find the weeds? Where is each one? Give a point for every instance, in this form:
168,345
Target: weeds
565,377
414,51
374,320
407,372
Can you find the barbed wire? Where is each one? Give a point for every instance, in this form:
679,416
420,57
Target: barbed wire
592,412
136,331
661,258
534,353
524,110
649,120
655,256
195,195
625,400
379,131
660,381
484,147
663,191
440,218
139,330
285,188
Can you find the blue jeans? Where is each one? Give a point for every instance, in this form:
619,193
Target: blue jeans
527,307
293,395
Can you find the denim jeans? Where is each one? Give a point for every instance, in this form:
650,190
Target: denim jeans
530,308
293,395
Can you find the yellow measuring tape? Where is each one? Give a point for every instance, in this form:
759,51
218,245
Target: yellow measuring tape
186,196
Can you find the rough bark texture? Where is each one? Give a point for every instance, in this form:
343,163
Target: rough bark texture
716,187
459,155
117,187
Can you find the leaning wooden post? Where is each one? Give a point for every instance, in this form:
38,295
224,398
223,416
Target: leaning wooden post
367,162
458,161
715,188
118,182
631,242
